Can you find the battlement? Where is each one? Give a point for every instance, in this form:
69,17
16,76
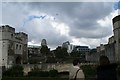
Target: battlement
115,19
7,28
21,34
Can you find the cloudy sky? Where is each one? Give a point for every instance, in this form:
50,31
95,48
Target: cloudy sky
81,23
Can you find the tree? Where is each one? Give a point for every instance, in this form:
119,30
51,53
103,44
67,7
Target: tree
75,54
61,53
45,50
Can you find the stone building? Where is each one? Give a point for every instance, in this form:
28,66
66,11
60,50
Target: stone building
116,30
104,49
14,46
107,49
110,49
92,56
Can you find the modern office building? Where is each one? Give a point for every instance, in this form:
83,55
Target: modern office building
84,49
68,46
65,44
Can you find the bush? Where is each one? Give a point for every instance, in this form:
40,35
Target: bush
32,78
53,73
89,70
64,74
15,71
17,67
38,73
118,69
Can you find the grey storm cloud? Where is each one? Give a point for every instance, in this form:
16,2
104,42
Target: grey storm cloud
14,15
53,38
81,18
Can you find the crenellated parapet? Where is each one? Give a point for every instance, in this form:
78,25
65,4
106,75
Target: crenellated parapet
7,28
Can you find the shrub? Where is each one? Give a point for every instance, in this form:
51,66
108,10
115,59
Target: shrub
89,70
32,78
38,73
64,74
15,71
118,69
53,73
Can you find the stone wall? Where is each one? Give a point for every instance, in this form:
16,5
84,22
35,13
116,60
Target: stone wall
47,67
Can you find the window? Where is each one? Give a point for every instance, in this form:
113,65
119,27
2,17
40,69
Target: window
20,47
16,46
11,35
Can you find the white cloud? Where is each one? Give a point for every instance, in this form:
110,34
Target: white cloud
107,21
33,43
61,28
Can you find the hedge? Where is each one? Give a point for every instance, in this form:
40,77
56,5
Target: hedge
89,70
53,73
38,73
15,71
32,78
118,69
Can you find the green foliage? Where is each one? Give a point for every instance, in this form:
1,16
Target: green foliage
44,50
17,67
75,54
51,60
38,73
118,69
15,71
61,53
53,73
89,70
33,61
32,78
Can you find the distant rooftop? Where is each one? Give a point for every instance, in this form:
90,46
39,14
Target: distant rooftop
81,46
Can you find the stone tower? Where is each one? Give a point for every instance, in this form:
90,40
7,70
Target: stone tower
116,30
13,46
